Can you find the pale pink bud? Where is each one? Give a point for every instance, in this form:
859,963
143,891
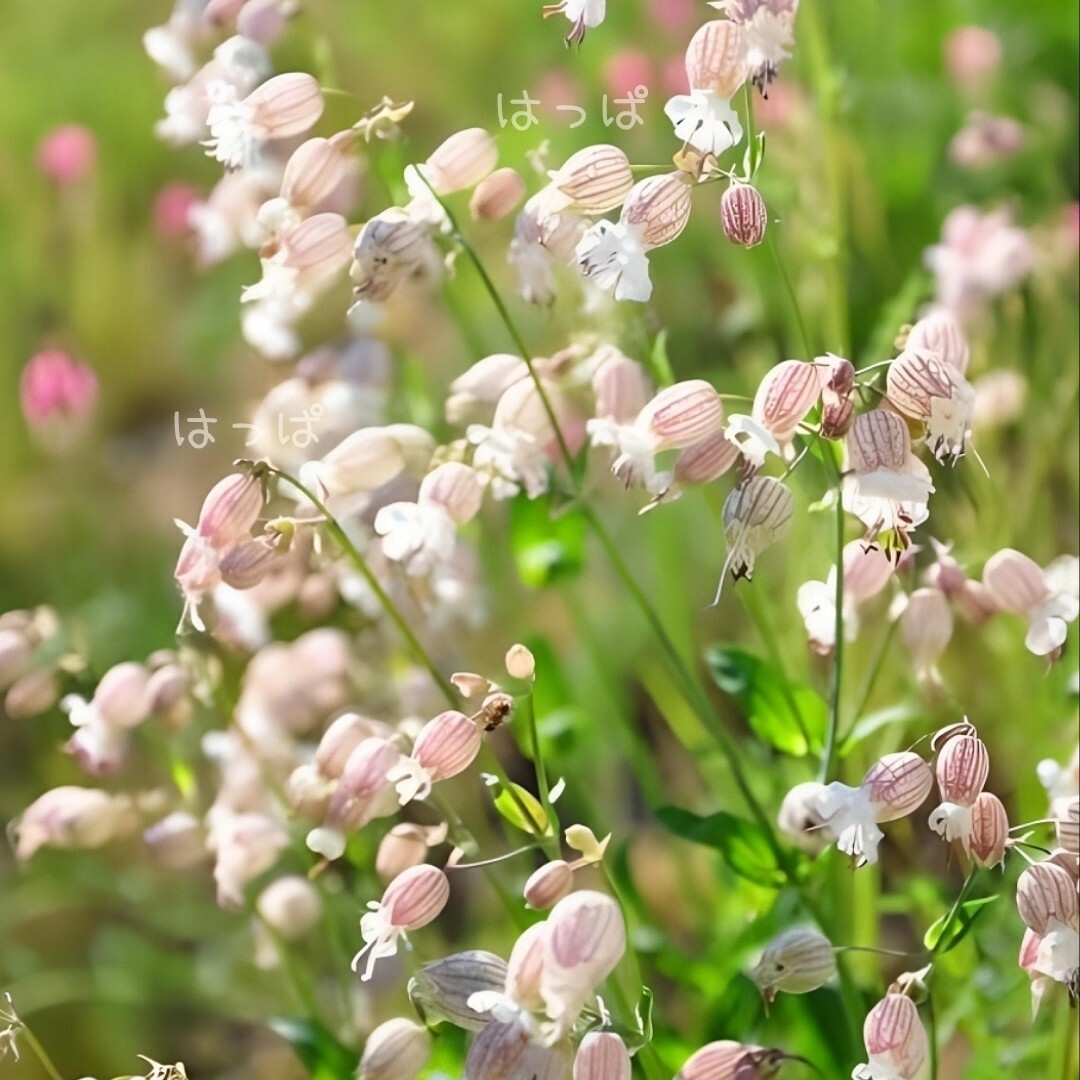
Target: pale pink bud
316,248
483,385
720,1060
497,195
342,737
314,172
462,161
441,990
796,962
548,885
404,846
706,460
621,386
837,403
1015,582
177,841
962,768
972,54
248,563
682,415
520,663
785,396
895,1039
926,627
660,207
291,906
525,967
898,785
71,818
67,154
504,1052
262,21
53,386
1068,827
122,698
602,1055
593,181
456,488
32,694
230,510
396,1050
756,515
284,106
800,822
940,333
743,215
715,58
925,388
989,830
1046,893
364,461
447,745
362,793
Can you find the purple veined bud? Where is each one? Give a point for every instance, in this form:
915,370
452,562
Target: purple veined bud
504,1052
927,390
743,214
682,414
718,1060
622,386
797,961
441,990
1046,894
497,195
786,394
1068,826
839,374
72,818
585,939
659,206
952,731
800,822
291,906
756,515
602,1055
989,835
445,747
315,171
592,181
32,694
462,161
520,663
715,58
926,627
963,766
1015,582
878,439
895,1040
247,564
940,333
898,785
411,901
395,1050
230,510
706,460
837,416
456,488
122,698
548,885
318,247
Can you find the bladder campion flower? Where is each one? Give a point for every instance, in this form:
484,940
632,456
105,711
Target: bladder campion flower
895,1041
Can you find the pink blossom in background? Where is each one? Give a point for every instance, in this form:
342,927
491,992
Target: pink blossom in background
172,208
625,71
972,55
67,154
775,111
671,14
674,77
553,88
54,386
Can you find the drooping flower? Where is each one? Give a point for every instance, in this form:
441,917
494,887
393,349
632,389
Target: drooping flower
602,1055
396,1050
756,515
795,962
446,746
1047,898
932,392
583,15
767,34
895,1041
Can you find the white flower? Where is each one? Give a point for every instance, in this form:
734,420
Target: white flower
613,255
424,206
850,815
705,121
753,438
635,465
583,14
419,537
512,460
1059,953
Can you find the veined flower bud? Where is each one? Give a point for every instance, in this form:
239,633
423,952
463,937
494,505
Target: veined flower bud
71,818
785,396
504,1052
706,460
230,510
926,627
456,488
940,333
895,1040
248,563
314,172
441,990
837,416
989,830
396,1050
660,207
462,161
593,180
743,214
364,461
800,822
926,389
1068,827
682,415
284,106
963,766
878,439
548,885
520,663
445,747
497,195
898,785
796,962
317,247
1016,583
1046,893
291,906
715,58
756,515
621,386
602,1055
342,737
720,1060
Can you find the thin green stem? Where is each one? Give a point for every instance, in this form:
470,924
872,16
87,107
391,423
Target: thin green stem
836,679
876,666
953,911
40,1053
785,280
526,709
932,1036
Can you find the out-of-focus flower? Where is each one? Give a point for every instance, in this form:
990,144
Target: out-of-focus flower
583,15
972,56
985,140
245,845
72,818
172,210
120,702
67,154
797,961
395,1050
410,901
895,1041
926,627
497,195
970,598
541,240
1049,599
10,1032
767,34
55,389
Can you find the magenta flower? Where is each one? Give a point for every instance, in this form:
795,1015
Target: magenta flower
56,387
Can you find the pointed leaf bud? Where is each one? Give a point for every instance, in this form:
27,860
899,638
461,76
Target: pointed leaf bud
456,488
743,215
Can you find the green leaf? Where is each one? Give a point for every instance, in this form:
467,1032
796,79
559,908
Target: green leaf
322,1055
657,364
940,940
744,845
548,546
875,721
523,810
789,717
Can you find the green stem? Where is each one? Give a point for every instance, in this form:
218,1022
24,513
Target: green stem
526,708
876,666
932,1036
792,296
836,678
39,1052
953,911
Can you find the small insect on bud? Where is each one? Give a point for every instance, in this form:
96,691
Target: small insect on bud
494,711
963,766
898,785
895,1040
989,830
548,885
396,1050
796,962
520,663
602,1055
1045,894
743,215
441,990
497,195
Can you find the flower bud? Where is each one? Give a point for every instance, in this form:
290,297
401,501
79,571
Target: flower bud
895,1039
396,1050
1045,893
621,386
462,161
940,334
416,897
291,906
314,172
15,652
898,785
706,460
1015,582
926,627
963,766
756,515
682,415
404,846
122,698
177,841
785,396
720,1060
525,967
796,962
71,818
497,195
548,885
743,214
520,663
504,1052
230,510
602,1055
441,990
800,822
714,58
284,106
31,694
661,206
455,487
989,830
593,180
